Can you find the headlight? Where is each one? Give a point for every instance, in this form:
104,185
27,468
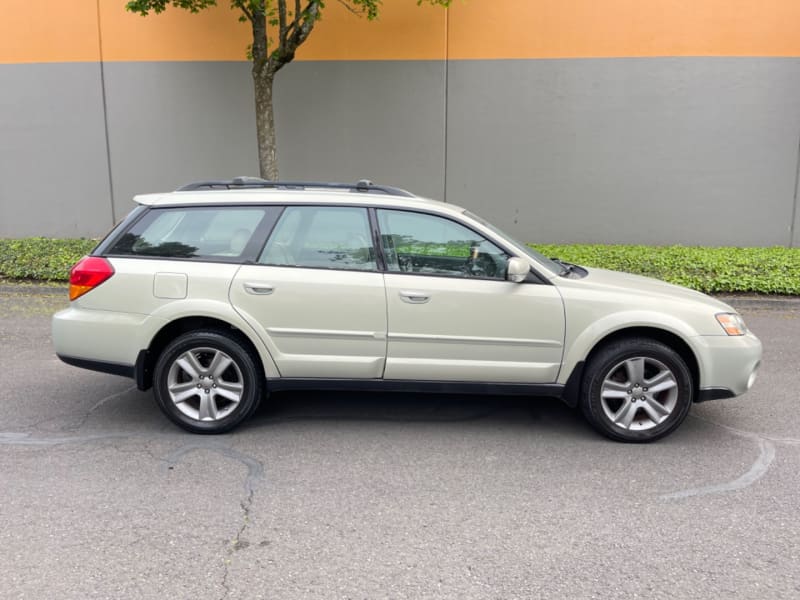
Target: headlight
732,323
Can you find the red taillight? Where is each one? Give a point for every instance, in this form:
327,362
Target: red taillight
87,274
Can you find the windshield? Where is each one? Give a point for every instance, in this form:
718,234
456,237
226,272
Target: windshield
524,248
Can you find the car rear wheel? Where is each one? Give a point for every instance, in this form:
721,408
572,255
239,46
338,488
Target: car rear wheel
207,382
636,390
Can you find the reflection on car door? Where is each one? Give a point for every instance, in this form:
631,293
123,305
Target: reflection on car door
316,297
451,313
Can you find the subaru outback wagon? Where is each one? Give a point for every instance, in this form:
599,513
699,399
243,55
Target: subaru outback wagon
222,291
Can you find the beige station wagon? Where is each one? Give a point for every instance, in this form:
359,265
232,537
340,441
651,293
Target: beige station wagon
220,292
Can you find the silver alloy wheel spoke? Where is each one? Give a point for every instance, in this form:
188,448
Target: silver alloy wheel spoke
188,363
625,414
181,393
208,408
654,410
219,364
614,389
667,382
228,394
635,369
606,393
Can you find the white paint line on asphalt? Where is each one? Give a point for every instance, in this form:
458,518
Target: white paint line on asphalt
14,438
757,470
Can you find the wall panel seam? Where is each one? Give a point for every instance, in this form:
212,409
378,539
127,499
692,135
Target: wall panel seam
792,230
105,115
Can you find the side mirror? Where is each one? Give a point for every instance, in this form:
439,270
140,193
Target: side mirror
517,269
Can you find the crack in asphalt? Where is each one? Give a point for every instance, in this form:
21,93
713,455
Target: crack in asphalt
97,405
255,473
759,468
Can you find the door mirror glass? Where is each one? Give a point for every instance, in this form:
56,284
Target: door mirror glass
517,270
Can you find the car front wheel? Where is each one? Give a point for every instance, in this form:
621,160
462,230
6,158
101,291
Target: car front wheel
207,382
636,390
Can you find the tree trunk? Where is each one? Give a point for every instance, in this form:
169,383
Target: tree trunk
265,123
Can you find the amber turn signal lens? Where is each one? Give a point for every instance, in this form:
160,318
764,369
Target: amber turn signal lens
732,323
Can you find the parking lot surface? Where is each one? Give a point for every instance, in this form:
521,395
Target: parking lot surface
395,496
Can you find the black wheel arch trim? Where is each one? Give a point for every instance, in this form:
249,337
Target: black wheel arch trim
143,370
714,393
102,366
571,394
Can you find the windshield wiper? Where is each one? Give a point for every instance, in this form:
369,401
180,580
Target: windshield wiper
567,267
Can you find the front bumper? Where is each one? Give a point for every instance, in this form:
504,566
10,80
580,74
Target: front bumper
728,365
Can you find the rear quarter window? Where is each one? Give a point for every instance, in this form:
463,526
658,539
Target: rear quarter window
221,233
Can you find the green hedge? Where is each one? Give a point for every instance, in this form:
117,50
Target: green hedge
723,270
41,258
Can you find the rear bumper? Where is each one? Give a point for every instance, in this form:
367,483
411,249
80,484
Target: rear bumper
99,340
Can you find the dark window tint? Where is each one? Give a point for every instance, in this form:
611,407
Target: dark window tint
420,243
222,232
323,237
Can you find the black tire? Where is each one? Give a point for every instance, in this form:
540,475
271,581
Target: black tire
211,408
625,409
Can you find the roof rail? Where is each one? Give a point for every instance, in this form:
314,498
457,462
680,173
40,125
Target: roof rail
364,186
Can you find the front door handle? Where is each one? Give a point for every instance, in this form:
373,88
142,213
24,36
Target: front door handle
414,297
259,289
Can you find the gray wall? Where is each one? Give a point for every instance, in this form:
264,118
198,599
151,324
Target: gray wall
53,163
651,151
172,123
673,150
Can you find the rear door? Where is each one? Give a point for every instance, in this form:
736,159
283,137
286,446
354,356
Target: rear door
315,295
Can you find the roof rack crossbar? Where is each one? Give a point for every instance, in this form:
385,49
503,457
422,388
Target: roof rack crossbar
364,186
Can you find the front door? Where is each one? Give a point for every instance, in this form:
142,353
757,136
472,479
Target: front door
453,316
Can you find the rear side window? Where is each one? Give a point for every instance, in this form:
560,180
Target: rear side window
321,237
214,232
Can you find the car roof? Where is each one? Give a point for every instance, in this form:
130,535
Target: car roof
221,197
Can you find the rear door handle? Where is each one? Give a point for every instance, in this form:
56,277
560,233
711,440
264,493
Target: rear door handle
414,297
259,289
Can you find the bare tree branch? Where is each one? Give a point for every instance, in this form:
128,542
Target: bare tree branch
282,27
241,5
351,8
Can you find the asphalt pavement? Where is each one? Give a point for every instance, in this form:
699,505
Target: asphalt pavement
367,496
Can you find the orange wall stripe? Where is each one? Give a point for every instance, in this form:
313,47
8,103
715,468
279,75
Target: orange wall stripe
623,28
48,31
404,31
478,29
175,34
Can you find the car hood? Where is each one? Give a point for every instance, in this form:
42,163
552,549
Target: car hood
646,286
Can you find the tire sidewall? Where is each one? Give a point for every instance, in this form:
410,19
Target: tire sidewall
251,380
609,358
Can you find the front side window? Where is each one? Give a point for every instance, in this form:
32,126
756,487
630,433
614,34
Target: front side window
321,237
421,243
218,232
